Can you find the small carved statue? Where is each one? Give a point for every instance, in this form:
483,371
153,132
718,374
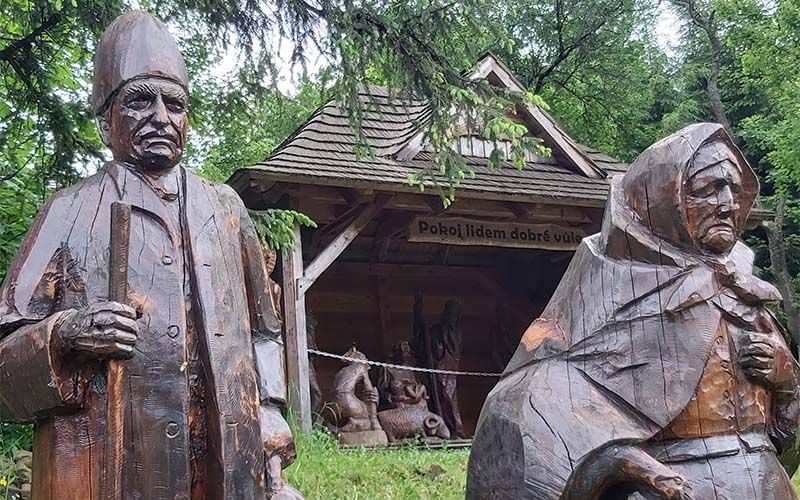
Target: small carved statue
657,371
274,289
407,421
400,388
354,403
405,401
440,347
188,335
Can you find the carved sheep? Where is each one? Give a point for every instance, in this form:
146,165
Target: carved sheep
400,423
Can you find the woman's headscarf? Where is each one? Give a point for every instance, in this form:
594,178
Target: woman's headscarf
647,207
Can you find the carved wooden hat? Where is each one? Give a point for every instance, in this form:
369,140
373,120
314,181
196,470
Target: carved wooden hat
135,45
654,184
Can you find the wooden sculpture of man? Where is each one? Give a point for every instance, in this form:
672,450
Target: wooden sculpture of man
440,348
657,370
196,419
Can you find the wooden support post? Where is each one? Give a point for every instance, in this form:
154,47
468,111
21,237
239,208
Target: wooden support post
339,244
296,282
294,307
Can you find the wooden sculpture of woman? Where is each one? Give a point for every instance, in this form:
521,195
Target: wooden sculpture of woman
657,370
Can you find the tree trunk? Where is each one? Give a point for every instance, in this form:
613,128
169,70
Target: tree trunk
783,280
709,27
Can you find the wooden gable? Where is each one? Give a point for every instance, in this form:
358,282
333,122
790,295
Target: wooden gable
539,123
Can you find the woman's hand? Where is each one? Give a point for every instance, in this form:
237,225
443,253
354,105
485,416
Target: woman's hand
765,361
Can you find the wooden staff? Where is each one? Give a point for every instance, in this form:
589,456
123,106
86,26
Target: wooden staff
117,292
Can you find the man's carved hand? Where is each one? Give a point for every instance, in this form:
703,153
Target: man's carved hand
101,330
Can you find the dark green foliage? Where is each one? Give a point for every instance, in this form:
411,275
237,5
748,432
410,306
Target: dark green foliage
239,124
19,201
276,226
597,66
45,60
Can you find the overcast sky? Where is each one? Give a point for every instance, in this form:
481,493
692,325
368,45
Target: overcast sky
667,29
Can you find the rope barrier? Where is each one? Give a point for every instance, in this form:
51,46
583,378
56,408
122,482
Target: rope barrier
401,367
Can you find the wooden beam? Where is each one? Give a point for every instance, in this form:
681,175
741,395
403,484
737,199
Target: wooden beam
436,204
409,270
441,257
393,225
250,190
333,227
519,210
342,220
350,196
335,248
557,139
383,250
463,205
274,193
294,310
577,200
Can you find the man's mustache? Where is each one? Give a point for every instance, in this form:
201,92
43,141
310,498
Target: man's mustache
164,133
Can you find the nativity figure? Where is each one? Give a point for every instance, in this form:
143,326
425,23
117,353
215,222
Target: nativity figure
439,347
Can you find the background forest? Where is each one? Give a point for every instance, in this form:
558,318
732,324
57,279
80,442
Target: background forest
597,64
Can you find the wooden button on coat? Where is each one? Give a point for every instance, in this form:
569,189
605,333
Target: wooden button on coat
172,430
173,331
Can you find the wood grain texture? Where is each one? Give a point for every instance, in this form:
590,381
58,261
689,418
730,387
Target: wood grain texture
294,307
70,415
657,370
339,244
117,394
172,287
439,347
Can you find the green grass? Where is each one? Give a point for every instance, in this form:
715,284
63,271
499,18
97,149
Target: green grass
324,472
13,437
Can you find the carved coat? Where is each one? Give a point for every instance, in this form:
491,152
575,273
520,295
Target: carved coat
196,264
620,349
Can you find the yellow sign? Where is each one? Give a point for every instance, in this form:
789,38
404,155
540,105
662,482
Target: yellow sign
458,231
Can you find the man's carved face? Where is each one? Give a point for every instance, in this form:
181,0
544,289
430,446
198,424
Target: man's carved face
147,123
712,198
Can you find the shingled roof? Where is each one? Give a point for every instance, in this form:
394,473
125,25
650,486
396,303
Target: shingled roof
321,152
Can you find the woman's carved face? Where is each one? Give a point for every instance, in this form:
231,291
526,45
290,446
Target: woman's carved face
712,199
